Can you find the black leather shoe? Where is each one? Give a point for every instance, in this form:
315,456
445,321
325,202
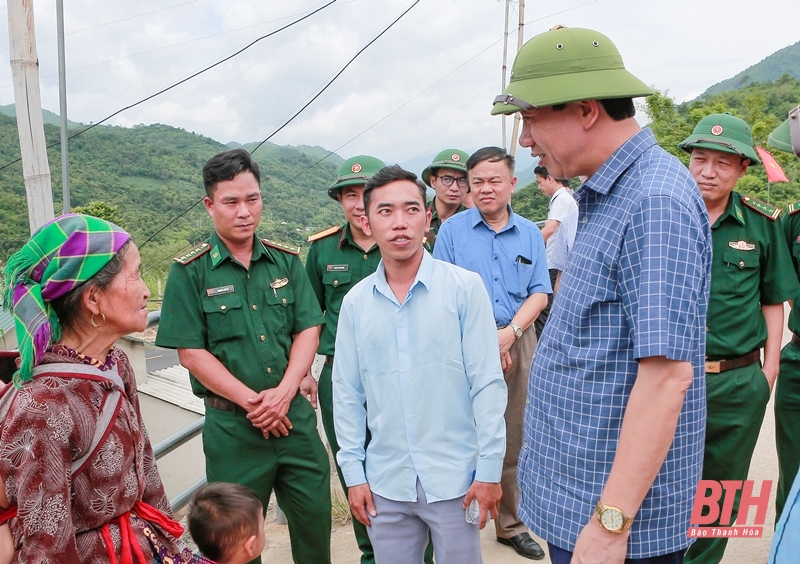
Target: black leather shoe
524,545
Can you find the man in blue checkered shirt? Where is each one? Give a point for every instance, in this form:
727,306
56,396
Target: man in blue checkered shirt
614,426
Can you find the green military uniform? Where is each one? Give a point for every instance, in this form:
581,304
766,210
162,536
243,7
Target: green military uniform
750,267
436,223
335,264
787,389
246,318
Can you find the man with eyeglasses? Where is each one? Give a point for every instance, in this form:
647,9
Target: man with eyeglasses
447,175
508,252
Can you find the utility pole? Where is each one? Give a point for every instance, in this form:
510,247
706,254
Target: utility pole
520,42
62,96
28,104
505,66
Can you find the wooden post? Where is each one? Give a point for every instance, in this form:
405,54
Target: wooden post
505,66
28,104
520,43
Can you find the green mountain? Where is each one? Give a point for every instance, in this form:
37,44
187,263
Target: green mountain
785,61
48,117
151,176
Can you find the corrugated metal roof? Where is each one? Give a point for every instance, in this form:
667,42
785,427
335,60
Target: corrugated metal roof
172,386
6,321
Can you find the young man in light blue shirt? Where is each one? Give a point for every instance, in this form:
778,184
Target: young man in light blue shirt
433,402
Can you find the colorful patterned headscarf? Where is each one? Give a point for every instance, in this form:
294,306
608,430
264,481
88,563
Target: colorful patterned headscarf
60,256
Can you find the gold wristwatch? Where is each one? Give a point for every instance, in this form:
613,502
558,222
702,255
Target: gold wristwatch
516,328
612,519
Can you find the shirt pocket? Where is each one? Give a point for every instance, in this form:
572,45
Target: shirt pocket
742,269
280,309
224,318
524,275
337,285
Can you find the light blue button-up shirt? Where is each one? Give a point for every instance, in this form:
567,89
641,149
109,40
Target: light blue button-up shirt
511,262
424,376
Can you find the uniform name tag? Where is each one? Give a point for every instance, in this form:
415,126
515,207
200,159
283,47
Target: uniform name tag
221,290
338,267
741,245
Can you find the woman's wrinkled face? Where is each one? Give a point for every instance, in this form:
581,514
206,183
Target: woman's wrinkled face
124,302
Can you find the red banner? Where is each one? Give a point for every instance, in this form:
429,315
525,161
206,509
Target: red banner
774,170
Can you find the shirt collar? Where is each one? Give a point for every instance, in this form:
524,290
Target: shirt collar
435,214
475,219
604,179
733,209
347,237
424,277
557,193
219,252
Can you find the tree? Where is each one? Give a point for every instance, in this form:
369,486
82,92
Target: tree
102,210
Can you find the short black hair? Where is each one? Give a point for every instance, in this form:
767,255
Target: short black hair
541,171
387,175
563,181
618,109
226,165
220,516
493,155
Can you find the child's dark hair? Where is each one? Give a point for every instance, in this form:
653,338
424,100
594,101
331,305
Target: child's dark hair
220,516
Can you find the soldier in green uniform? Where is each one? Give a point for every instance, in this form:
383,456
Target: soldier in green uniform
447,175
787,391
243,316
340,257
751,277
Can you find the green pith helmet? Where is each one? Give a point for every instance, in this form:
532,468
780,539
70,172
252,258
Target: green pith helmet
567,65
449,158
355,171
786,136
722,132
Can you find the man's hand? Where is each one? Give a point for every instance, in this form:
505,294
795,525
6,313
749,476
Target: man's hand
505,361
597,546
506,338
308,387
269,408
488,496
360,498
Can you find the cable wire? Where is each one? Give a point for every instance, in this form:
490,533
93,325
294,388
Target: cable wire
191,76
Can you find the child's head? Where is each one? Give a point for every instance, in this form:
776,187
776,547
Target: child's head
227,523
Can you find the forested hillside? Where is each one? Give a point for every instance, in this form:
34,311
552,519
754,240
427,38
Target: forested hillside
785,61
763,105
150,175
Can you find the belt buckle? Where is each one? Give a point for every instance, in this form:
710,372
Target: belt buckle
713,367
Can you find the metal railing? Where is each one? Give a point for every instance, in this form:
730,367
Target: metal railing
169,444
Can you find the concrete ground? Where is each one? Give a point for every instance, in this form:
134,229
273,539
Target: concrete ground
740,551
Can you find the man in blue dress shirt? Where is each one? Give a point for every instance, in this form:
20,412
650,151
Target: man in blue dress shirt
615,425
508,252
433,401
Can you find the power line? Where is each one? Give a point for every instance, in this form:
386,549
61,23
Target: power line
337,75
188,78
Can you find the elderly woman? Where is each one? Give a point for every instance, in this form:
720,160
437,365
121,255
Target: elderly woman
74,453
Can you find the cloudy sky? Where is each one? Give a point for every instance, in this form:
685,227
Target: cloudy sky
425,85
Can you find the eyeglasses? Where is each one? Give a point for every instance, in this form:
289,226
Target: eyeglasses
448,180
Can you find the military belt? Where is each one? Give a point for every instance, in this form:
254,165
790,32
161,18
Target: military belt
225,405
795,339
717,366
329,359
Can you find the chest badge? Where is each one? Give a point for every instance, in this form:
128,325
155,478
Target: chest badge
278,283
741,245
221,290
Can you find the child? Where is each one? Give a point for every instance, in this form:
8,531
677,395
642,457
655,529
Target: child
226,522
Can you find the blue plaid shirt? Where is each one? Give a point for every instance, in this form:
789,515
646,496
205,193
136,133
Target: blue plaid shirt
636,286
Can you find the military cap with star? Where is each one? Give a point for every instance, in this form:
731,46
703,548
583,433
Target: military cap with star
453,159
355,171
722,132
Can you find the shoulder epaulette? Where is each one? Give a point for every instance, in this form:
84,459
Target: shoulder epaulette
198,251
793,208
281,247
323,234
763,208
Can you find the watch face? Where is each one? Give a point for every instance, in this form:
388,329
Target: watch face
611,519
